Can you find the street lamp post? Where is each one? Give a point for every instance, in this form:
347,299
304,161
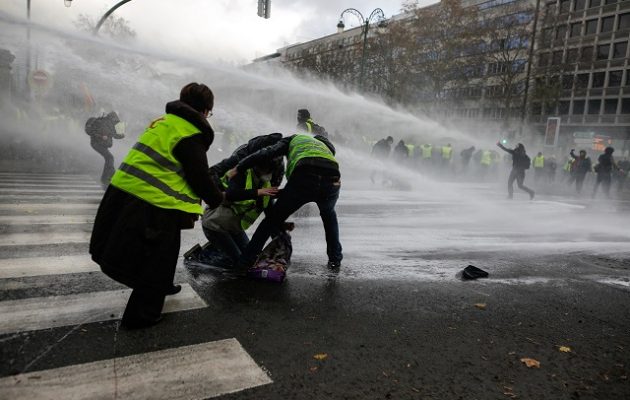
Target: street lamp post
107,14
376,16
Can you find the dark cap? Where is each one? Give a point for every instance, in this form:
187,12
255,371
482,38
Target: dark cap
304,114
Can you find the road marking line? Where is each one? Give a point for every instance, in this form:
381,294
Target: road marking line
39,238
45,219
44,176
45,184
60,189
29,207
15,198
183,373
50,265
55,311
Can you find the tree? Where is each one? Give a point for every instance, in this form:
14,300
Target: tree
446,40
114,26
508,46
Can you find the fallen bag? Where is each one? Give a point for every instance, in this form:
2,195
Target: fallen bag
472,272
273,262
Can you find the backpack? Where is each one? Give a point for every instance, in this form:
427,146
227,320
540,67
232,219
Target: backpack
91,126
527,162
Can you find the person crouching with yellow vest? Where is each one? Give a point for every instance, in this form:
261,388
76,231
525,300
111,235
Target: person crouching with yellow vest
247,195
312,176
155,193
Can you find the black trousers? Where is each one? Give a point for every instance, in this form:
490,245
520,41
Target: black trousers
137,244
518,175
108,168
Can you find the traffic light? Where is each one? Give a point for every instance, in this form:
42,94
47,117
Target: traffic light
264,8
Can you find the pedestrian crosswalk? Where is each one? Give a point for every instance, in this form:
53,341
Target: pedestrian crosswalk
45,226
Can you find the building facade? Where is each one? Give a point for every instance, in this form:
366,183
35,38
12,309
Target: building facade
536,59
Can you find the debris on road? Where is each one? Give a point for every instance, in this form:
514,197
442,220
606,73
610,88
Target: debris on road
530,362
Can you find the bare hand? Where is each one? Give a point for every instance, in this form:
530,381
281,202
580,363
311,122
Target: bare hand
272,191
232,173
499,144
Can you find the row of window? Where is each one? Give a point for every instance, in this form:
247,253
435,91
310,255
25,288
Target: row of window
590,107
597,80
578,5
588,27
606,51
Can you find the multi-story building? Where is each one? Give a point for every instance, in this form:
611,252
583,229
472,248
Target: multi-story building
568,61
582,72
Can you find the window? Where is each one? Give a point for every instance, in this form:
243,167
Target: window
579,5
607,24
546,36
556,59
610,106
572,55
578,107
567,81
610,1
563,107
598,79
602,51
564,6
561,32
625,106
543,59
587,54
595,3
581,81
576,29
614,78
619,50
591,27
594,106
624,21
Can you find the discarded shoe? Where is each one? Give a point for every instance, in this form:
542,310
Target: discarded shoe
472,272
174,290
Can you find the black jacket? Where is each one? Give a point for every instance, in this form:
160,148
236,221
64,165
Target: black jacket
281,148
520,159
137,243
102,131
259,142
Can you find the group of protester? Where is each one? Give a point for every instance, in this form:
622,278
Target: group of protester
432,159
158,188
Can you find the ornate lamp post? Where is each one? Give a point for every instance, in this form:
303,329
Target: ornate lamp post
377,16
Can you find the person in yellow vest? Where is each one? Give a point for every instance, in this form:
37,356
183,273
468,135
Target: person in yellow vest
155,193
307,125
539,166
247,195
486,162
312,176
447,154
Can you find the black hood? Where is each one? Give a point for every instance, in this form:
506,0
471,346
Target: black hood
193,116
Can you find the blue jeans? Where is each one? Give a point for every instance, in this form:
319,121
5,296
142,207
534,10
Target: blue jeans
231,244
301,188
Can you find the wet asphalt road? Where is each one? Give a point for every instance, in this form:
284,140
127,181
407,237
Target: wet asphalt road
395,322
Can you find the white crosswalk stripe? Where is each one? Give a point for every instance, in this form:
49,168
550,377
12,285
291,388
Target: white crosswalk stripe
51,265
56,209
46,219
43,238
190,372
54,311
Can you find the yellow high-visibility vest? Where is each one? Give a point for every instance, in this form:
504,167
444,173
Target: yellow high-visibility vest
151,172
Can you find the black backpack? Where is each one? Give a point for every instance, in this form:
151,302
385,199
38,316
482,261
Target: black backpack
91,126
527,162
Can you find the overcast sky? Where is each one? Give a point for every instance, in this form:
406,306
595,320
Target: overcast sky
227,30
